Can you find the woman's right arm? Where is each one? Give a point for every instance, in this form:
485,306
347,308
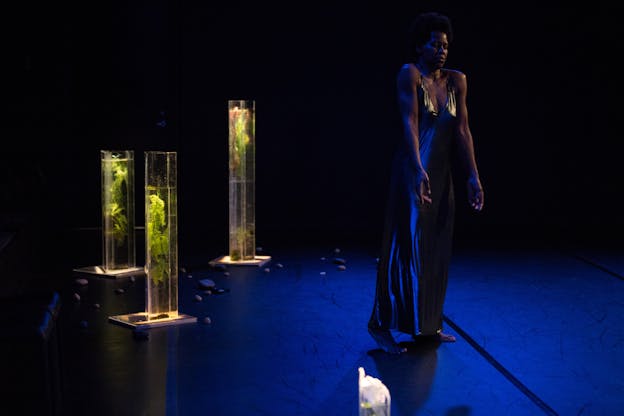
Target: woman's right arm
408,81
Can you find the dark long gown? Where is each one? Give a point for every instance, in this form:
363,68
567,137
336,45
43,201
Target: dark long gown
417,240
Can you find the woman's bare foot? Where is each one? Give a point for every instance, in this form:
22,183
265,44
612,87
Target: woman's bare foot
446,337
385,341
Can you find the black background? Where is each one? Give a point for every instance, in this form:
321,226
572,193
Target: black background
83,76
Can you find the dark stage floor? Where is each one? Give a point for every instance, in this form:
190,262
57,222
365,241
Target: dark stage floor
539,331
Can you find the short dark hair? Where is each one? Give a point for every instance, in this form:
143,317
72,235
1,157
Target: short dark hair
422,26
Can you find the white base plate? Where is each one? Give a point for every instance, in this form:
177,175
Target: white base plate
256,261
139,320
100,271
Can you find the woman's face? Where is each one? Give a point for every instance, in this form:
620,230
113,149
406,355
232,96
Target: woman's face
435,51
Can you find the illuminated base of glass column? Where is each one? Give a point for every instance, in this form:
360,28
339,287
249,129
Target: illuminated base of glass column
100,271
256,261
140,320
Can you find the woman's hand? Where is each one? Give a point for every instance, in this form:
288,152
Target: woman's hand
423,188
475,193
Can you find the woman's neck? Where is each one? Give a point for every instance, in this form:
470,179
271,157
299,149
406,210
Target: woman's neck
434,74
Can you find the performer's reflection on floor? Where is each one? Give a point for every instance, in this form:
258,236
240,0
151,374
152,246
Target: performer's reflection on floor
409,375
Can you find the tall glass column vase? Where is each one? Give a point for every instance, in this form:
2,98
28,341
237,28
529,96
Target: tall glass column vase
161,234
161,243
118,232
242,184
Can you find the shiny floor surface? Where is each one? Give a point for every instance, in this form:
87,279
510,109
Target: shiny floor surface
539,331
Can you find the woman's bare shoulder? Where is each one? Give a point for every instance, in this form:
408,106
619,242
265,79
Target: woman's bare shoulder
409,73
409,68
458,76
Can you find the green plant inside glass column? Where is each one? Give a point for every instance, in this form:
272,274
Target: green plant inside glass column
118,236
241,145
161,238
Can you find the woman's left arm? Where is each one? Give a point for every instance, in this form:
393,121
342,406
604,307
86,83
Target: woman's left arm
465,142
